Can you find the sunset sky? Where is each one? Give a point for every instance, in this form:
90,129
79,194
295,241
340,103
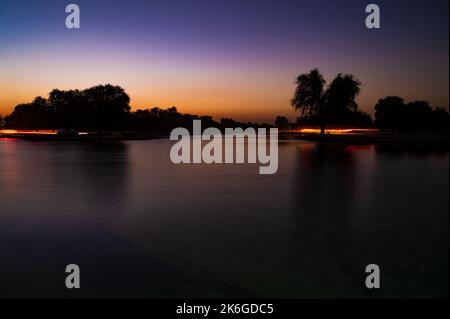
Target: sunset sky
223,58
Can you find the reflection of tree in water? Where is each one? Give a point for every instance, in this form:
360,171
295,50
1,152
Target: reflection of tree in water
324,211
389,208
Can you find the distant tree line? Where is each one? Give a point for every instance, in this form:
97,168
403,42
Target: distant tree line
107,108
393,113
157,119
102,108
334,104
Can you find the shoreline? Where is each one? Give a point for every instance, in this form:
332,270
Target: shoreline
88,137
428,140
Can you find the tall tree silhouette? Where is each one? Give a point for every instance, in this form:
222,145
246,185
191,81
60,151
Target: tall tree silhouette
308,95
340,98
334,105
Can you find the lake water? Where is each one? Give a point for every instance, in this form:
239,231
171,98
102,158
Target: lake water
140,226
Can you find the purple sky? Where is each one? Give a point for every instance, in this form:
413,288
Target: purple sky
224,58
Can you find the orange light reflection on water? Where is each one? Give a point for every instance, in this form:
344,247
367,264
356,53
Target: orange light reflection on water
33,132
338,130
23,132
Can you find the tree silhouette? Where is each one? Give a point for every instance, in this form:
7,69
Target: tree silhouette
308,95
29,115
102,107
389,112
69,109
440,119
335,105
110,106
282,122
340,98
392,112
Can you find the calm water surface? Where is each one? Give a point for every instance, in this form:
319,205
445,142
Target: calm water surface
140,226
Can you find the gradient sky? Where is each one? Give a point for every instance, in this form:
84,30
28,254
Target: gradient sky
224,58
